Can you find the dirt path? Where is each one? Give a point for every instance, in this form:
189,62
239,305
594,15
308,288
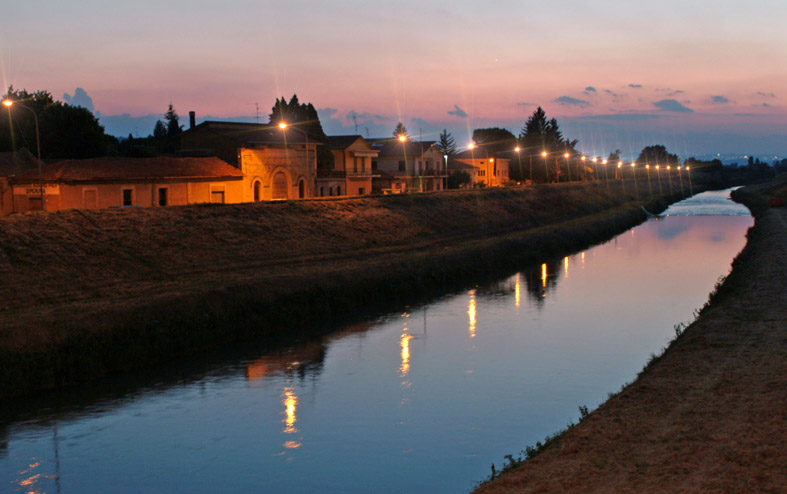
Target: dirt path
709,416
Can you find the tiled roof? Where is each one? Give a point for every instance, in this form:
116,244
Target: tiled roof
393,147
249,133
160,167
342,142
17,162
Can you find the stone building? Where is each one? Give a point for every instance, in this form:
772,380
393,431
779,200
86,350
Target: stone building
414,165
275,163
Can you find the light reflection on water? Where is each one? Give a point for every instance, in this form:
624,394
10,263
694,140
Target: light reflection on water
421,401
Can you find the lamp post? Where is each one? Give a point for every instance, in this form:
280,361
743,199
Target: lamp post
680,176
669,179
650,189
688,174
658,178
284,126
8,104
584,171
568,165
519,157
634,172
546,166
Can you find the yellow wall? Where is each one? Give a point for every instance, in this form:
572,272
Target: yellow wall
143,194
262,165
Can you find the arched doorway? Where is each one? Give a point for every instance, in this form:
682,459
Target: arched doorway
279,186
301,189
257,187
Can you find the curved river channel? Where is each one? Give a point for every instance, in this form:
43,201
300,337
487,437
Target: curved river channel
422,400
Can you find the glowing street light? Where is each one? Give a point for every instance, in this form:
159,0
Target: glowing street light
546,166
650,188
584,171
688,174
402,138
8,103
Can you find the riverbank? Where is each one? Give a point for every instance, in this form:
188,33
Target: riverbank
710,414
87,293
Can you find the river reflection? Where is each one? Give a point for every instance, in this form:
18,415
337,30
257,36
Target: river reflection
423,400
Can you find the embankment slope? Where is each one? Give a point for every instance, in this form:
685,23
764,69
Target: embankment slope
710,415
84,293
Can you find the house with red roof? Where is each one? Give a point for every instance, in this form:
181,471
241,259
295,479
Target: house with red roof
116,182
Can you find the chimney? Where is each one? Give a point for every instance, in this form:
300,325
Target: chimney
192,119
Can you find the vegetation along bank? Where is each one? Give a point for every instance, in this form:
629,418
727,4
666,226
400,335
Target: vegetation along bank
89,292
707,415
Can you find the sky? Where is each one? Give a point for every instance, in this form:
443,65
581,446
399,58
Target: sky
700,77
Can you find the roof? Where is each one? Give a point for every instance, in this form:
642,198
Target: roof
17,162
394,148
160,167
459,165
342,142
251,133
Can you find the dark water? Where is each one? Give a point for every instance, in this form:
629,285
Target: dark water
423,400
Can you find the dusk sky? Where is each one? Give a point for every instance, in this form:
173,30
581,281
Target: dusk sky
700,77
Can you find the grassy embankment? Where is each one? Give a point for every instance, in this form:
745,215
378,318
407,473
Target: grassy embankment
86,293
709,414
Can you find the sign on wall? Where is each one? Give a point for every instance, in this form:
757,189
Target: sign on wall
35,190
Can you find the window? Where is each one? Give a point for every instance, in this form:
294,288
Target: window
355,164
301,189
361,191
363,164
374,164
162,196
338,190
34,203
217,196
128,197
322,191
401,166
330,191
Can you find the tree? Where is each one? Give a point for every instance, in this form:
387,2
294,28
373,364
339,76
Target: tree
159,131
614,157
540,134
458,179
446,144
657,155
305,117
173,125
400,130
495,140
65,131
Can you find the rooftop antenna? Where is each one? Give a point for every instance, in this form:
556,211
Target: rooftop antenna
257,106
367,132
355,121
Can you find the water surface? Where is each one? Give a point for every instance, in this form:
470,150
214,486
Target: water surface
422,400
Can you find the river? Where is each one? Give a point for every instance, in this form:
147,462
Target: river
421,400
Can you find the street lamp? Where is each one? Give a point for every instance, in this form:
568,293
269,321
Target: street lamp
8,104
284,126
568,166
518,150
584,171
546,166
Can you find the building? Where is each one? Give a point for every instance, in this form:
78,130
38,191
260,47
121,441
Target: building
114,182
352,167
485,169
275,163
12,164
408,166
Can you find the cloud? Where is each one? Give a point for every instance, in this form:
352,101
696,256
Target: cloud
676,92
672,106
719,99
767,95
525,103
635,86
458,112
365,115
766,105
80,98
569,101
622,116
589,90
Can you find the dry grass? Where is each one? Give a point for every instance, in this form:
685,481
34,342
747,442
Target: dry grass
711,414
111,289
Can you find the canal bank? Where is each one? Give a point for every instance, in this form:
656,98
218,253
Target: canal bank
706,416
87,293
